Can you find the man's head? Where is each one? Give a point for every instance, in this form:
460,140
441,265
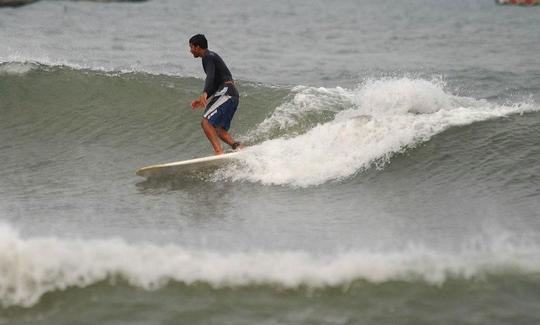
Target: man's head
197,45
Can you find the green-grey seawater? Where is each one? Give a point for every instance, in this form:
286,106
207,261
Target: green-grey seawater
391,173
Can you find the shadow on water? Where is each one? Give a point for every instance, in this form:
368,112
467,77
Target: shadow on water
193,196
172,182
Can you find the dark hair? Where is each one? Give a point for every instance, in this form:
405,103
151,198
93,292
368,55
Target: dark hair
199,40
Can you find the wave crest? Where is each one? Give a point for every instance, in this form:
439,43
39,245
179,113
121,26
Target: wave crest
16,68
351,130
32,267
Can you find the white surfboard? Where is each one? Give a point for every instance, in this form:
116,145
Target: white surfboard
187,166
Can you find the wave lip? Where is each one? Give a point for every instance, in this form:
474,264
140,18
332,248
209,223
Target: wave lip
15,68
32,267
367,125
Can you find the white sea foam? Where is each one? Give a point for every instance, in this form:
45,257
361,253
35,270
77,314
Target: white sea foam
15,68
370,124
305,102
29,268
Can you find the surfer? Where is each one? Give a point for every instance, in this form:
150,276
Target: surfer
219,98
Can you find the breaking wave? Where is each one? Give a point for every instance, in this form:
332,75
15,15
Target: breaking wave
320,134
34,266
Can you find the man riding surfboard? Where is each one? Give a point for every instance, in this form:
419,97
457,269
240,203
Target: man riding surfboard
219,98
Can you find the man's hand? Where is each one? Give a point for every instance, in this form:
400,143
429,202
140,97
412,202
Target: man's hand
199,101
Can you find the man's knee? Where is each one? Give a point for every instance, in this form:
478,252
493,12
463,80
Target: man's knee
221,131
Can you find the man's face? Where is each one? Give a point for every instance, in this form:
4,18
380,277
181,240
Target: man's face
195,50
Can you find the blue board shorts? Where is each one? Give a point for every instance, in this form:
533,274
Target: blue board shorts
221,108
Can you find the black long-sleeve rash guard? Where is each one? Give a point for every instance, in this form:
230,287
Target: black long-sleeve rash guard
216,72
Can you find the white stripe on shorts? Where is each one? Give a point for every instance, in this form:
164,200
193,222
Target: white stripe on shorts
217,104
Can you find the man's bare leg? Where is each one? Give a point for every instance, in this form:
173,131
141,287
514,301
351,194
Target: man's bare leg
227,138
212,135
224,135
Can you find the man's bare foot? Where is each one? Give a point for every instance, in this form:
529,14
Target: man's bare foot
237,146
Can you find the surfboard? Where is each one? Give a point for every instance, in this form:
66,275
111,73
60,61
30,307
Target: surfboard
190,166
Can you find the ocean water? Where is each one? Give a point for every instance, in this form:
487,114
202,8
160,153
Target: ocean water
392,174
